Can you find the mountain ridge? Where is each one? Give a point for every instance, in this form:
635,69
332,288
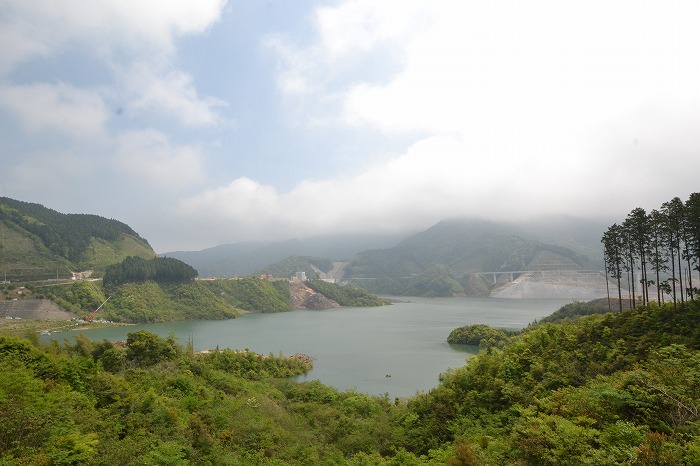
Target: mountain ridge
445,259
456,256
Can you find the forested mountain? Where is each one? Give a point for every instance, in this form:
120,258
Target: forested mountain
38,242
442,260
435,262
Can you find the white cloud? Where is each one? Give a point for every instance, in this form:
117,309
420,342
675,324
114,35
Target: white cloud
507,65
18,45
513,106
61,107
434,179
44,26
347,34
642,160
170,94
509,108
468,66
133,39
243,198
148,156
357,26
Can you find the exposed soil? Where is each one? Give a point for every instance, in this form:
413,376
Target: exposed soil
303,297
553,285
38,309
22,315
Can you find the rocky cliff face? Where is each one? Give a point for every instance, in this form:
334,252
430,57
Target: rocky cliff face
304,297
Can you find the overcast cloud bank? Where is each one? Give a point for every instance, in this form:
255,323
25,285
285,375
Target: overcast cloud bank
208,122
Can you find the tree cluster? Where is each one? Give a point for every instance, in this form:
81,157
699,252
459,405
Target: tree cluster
135,269
480,335
660,249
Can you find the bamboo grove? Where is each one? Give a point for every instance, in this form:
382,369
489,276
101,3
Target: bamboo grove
655,255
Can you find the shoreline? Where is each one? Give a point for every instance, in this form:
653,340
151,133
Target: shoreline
20,326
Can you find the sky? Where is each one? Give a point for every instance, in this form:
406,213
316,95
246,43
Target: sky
206,122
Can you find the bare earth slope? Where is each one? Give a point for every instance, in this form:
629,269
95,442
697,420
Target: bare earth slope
39,309
554,285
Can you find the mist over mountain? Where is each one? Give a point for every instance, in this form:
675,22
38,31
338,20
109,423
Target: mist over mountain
444,260
475,257
245,258
578,234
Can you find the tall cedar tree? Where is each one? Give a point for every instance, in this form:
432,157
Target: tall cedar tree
662,241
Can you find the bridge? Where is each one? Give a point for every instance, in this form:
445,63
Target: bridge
514,274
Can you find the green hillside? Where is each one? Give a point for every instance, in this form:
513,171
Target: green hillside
150,301
440,260
38,243
619,388
141,302
253,294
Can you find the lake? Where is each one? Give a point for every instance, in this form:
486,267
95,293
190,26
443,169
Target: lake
398,350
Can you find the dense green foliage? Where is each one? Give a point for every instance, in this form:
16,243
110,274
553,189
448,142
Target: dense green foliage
153,302
142,302
577,309
601,389
24,257
253,366
345,295
80,297
480,335
253,294
618,388
158,269
67,235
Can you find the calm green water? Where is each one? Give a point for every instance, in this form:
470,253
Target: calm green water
357,348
